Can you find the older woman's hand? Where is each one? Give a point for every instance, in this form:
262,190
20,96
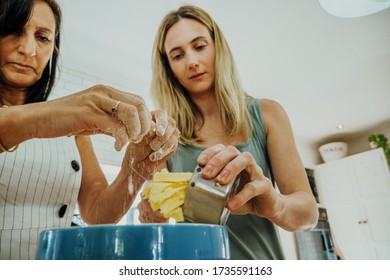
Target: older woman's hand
145,157
147,215
99,109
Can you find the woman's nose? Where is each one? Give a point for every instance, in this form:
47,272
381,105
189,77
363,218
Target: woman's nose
192,61
27,45
193,65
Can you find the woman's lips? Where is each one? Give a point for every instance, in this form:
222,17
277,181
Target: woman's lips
196,76
22,67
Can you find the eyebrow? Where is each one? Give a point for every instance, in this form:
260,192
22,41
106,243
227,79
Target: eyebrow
192,41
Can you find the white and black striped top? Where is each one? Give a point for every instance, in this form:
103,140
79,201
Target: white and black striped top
39,185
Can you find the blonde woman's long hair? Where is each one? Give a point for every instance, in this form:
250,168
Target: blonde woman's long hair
170,95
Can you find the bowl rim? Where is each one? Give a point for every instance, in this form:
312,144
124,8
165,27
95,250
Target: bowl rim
138,226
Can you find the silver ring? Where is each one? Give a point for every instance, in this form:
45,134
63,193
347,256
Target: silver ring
115,108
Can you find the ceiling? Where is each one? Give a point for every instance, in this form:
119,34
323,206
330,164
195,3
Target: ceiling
325,70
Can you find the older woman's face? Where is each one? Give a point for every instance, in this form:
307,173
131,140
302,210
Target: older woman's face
191,55
25,54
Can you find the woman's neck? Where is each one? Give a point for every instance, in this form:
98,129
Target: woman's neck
12,96
206,103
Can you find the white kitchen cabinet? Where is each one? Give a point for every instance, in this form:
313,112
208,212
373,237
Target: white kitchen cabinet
355,191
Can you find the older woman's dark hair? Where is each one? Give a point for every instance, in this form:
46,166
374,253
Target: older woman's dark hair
14,14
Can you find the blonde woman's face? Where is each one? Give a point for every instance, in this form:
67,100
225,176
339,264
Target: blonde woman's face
191,55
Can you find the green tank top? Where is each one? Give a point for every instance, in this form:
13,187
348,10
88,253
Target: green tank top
250,236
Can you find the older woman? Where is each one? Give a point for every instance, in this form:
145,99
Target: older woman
44,171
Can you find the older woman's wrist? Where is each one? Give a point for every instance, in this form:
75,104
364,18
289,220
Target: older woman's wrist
14,128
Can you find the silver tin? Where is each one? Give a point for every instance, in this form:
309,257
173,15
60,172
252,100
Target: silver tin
206,200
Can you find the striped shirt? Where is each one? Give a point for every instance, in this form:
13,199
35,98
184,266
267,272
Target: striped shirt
39,185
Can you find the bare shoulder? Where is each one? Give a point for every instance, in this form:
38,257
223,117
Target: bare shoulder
272,112
269,105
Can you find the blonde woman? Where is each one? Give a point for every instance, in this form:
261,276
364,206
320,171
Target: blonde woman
228,132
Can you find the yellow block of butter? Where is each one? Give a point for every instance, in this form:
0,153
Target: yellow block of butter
167,192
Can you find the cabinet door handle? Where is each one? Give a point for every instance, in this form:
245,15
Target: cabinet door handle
363,222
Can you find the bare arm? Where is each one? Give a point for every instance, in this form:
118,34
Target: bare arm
297,208
99,202
86,112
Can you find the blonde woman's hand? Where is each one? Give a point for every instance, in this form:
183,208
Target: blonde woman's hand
256,195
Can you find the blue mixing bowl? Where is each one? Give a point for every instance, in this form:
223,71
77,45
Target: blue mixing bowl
135,242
